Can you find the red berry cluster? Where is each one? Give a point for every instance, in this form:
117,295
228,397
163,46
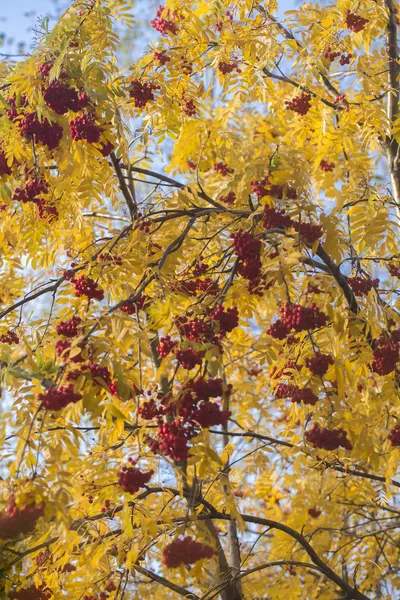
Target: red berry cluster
107,257
174,438
330,54
100,375
132,307
106,148
259,187
165,22
31,593
188,107
354,22
278,330
228,67
166,346
276,219
278,191
345,60
186,66
296,394
228,319
31,191
328,439
162,57
394,436
63,345
19,520
45,68
56,399
132,479
84,127
191,409
189,357
43,132
229,198
362,285
142,92
4,168
302,318
314,513
341,99
185,551
319,363
206,286
285,390
61,98
394,270
9,338
86,286
305,395
308,232
326,166
110,587
197,330
222,168
47,211
247,248
300,104
385,356
69,328
209,414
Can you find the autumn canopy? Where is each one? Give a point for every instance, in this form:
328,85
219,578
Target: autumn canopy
199,304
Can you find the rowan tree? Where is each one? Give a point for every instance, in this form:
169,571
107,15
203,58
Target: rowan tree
199,324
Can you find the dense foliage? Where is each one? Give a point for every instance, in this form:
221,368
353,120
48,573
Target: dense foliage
199,313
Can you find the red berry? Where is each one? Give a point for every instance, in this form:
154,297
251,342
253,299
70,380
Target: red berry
85,128
86,286
188,107
166,345
142,92
4,167
188,358
302,318
165,21
229,198
228,319
328,439
354,22
326,166
43,132
319,363
276,219
9,338
300,104
56,399
278,330
259,187
17,521
185,551
362,285
308,232
394,436
385,356
131,479
314,513
61,98
222,169
161,57
228,67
